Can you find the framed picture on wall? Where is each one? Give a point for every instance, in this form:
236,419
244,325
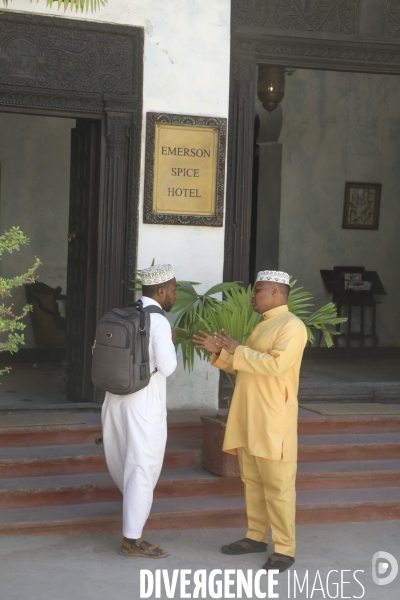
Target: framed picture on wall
361,205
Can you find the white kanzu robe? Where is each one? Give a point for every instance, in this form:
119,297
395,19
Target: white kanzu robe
135,430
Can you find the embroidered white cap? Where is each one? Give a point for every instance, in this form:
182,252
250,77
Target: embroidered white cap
273,276
156,274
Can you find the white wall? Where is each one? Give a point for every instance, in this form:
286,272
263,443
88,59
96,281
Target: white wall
34,195
340,127
186,71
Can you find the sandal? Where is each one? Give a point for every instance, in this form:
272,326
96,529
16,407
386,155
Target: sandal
142,549
281,562
244,546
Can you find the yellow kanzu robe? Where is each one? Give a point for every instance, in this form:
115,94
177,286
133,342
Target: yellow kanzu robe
264,408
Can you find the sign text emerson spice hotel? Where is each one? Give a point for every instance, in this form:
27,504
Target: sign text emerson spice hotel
185,170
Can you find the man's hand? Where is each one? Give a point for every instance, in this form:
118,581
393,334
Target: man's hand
226,341
174,336
204,341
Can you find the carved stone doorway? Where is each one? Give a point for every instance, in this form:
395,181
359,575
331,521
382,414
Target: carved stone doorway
335,35
91,72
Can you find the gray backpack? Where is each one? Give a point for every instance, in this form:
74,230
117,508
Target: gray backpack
120,362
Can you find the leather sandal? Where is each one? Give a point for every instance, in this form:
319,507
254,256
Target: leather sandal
281,562
142,549
244,546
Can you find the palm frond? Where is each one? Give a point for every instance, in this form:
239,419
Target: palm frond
321,319
224,287
235,314
78,4
298,299
241,297
72,4
192,306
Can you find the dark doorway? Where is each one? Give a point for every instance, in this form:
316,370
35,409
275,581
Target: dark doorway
82,257
106,102
50,189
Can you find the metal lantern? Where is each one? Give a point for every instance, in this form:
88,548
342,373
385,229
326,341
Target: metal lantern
271,86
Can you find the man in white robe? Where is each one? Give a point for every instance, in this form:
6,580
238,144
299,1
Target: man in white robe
135,425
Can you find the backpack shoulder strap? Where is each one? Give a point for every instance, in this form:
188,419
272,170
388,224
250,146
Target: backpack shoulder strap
142,324
154,309
149,309
142,330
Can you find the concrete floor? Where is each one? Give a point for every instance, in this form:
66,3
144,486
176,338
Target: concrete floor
89,568
33,384
350,371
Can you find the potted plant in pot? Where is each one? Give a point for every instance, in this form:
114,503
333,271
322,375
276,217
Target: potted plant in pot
234,313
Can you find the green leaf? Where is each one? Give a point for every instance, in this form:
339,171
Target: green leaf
235,314
10,323
223,287
75,4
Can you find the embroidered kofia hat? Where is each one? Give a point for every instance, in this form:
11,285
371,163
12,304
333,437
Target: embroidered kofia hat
156,274
273,276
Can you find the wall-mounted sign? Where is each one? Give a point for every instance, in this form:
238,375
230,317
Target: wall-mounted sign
185,170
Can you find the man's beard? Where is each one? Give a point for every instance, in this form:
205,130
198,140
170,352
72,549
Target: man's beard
168,304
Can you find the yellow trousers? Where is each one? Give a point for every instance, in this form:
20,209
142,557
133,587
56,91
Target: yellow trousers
269,488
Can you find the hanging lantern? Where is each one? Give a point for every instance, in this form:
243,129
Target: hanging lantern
271,86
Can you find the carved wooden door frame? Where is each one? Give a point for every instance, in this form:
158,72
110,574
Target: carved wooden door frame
332,35
73,68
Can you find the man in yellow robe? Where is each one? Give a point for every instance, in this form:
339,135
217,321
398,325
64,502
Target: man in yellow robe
262,421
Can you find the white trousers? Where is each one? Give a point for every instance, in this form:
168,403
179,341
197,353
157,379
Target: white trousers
134,437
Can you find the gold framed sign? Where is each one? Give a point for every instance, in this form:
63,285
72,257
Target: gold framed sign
185,170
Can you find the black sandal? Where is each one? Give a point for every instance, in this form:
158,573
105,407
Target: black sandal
281,562
244,546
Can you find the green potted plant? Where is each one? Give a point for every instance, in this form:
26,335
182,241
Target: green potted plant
234,313
10,323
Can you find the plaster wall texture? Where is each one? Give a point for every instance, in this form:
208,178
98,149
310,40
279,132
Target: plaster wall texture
34,195
186,71
340,127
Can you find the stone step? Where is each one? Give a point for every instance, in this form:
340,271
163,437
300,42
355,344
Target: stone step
39,461
348,474
312,423
87,488
48,436
89,458
52,435
187,425
99,487
196,512
188,428
349,446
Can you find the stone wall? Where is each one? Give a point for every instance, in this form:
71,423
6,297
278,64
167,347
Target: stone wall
186,71
340,127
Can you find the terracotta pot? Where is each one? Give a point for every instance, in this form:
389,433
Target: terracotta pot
214,459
